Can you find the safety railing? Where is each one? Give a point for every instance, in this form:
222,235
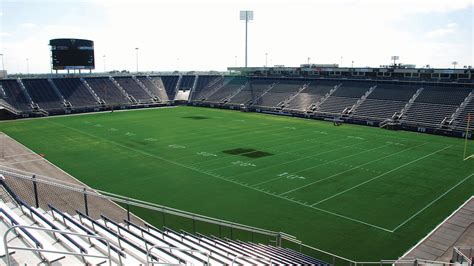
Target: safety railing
83,255
151,262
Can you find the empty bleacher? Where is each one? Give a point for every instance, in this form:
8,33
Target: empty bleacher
107,91
463,117
14,95
133,89
202,88
230,85
155,85
311,95
123,242
344,97
385,101
170,82
280,92
187,82
74,91
252,92
43,94
434,104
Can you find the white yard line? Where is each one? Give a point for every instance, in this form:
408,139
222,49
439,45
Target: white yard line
431,203
353,168
381,175
319,165
301,158
224,179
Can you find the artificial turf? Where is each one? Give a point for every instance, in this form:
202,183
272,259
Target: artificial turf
359,192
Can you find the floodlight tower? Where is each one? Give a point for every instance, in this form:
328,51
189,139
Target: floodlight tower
395,58
454,64
246,15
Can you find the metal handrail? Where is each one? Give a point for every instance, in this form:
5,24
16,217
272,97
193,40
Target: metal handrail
251,257
458,251
7,255
148,253
140,203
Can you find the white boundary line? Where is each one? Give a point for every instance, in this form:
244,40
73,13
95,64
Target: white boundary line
222,178
379,176
353,168
431,203
437,227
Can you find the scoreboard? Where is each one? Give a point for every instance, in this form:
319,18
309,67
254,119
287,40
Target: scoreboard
72,54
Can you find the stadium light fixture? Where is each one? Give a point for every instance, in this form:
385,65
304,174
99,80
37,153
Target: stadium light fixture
395,58
27,66
246,15
308,60
136,53
454,64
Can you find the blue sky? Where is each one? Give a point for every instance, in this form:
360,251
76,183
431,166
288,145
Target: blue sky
207,35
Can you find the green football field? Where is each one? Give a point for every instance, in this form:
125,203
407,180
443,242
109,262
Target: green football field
359,192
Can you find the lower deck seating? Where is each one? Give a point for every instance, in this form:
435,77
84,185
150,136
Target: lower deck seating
231,84
428,113
43,94
169,82
335,105
378,109
14,95
133,89
74,91
155,85
107,91
127,242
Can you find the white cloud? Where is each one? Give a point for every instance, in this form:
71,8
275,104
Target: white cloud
443,31
28,25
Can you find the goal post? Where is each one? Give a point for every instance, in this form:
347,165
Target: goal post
467,152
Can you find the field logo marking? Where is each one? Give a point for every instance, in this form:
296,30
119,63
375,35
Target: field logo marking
113,129
206,154
354,137
176,146
292,128
130,134
150,139
321,132
98,125
244,164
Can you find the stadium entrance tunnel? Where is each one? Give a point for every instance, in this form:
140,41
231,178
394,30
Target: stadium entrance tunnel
250,153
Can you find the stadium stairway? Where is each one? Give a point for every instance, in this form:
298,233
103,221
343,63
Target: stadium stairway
77,239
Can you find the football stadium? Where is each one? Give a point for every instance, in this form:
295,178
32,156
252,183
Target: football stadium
314,164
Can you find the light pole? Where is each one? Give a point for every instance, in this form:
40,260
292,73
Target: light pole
246,15
454,64
308,60
3,66
341,61
352,64
177,63
136,52
235,61
104,62
395,58
266,59
27,67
